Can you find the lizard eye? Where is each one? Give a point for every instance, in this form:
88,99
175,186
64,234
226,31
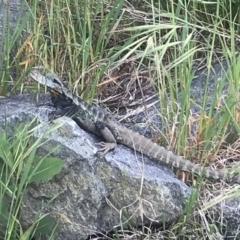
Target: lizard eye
56,81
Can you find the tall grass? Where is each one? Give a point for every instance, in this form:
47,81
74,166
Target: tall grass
11,32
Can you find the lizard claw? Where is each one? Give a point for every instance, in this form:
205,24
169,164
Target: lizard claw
105,147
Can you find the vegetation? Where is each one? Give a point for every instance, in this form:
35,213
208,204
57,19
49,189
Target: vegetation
19,167
98,46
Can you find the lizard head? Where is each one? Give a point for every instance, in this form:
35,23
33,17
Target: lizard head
56,87
47,78
60,95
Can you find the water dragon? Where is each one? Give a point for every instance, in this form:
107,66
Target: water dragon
100,122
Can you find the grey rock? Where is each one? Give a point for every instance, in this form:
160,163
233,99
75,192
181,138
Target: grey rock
94,192
229,215
221,208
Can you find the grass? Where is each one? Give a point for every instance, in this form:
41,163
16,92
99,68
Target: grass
19,167
170,41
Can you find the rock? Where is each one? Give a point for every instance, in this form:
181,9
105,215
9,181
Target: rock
228,215
93,193
220,209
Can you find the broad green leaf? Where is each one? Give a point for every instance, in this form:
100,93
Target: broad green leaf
45,169
45,225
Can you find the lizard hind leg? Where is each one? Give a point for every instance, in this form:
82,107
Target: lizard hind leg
108,136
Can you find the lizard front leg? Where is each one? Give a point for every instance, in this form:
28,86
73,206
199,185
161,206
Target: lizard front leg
108,135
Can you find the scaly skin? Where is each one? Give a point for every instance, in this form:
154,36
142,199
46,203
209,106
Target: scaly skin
99,122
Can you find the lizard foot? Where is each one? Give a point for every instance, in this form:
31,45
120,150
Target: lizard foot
106,146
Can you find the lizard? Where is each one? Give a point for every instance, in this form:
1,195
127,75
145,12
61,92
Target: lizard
98,121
